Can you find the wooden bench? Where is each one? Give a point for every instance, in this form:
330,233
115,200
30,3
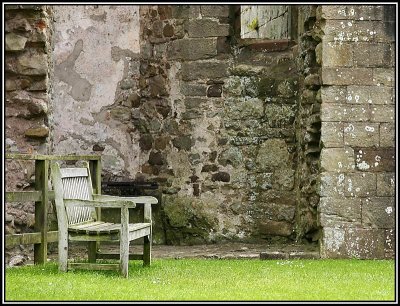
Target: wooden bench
77,220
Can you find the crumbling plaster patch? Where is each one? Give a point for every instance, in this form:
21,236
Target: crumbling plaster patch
87,75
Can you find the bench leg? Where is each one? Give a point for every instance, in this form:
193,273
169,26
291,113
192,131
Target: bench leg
92,250
147,250
63,254
124,242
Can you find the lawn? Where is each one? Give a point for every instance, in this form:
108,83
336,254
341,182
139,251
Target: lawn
210,280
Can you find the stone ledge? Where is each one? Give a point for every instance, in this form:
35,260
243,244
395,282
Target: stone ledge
288,255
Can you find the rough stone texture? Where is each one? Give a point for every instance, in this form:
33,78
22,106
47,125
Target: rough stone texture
357,116
28,65
246,144
348,242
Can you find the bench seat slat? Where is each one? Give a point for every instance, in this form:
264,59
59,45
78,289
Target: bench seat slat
98,228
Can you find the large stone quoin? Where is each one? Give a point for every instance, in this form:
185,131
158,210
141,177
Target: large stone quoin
260,123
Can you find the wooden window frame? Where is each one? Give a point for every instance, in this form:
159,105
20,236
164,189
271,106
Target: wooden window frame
269,45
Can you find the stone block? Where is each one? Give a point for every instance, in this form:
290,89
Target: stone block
352,243
384,76
192,89
369,94
244,108
206,28
275,228
331,184
332,134
337,159
385,31
204,70
221,177
185,11
278,116
244,141
341,211
273,255
333,94
347,76
32,63
261,181
280,201
37,132
232,156
382,113
214,90
15,42
347,184
378,212
283,178
367,54
194,103
334,55
390,243
342,31
375,159
192,49
312,80
349,113
352,12
192,114
359,184
183,142
272,154
304,255
387,135
385,184
361,134
278,211
215,10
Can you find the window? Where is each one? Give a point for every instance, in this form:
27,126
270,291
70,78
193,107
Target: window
272,26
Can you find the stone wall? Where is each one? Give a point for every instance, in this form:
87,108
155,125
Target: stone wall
27,69
357,206
28,109
308,126
251,141
219,128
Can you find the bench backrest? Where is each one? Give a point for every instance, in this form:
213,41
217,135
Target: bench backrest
73,183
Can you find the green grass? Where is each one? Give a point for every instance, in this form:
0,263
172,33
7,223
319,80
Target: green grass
210,280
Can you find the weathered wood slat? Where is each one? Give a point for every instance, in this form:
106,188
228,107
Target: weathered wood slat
83,225
51,157
92,266
99,228
27,196
90,203
103,229
139,233
116,256
73,172
86,237
137,200
95,172
23,196
41,210
29,238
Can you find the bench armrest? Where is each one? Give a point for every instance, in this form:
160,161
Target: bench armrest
137,200
100,203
